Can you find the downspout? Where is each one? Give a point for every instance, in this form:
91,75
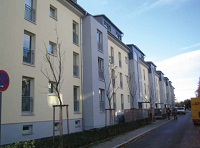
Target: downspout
81,53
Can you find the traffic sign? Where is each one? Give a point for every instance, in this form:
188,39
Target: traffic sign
4,80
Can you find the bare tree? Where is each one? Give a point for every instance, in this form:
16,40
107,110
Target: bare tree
152,100
111,87
54,72
132,87
198,89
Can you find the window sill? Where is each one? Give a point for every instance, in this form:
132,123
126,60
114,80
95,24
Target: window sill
53,18
28,64
52,94
76,44
27,114
33,22
76,77
77,112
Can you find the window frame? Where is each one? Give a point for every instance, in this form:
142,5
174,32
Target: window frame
27,108
101,100
122,102
54,48
29,50
54,14
77,99
29,13
120,59
75,64
50,87
99,41
100,68
29,131
75,33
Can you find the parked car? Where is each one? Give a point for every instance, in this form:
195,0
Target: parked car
159,113
180,110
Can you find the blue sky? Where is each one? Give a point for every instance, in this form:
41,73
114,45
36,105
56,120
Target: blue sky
167,31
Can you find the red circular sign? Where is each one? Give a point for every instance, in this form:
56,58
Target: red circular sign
4,80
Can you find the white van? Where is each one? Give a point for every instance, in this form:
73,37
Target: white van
180,110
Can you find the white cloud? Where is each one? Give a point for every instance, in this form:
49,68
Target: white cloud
191,46
184,72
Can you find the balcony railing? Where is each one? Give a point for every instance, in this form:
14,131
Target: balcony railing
76,70
100,46
27,104
29,13
28,56
101,74
102,106
75,38
76,106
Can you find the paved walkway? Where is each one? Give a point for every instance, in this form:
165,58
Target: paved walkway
121,140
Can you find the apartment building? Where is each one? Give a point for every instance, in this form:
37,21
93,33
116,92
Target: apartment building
28,29
95,72
118,64
136,59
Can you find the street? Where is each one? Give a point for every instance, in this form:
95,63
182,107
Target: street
179,133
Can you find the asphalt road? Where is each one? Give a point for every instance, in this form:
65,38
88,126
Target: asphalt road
179,133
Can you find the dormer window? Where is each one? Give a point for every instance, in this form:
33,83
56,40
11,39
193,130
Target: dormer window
107,26
118,35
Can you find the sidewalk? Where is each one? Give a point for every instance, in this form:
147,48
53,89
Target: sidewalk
121,140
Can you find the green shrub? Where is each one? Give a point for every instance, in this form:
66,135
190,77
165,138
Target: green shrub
84,138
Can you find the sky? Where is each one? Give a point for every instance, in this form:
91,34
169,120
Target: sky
166,31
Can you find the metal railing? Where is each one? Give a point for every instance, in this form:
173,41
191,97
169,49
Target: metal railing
102,106
75,38
101,74
100,46
28,56
29,13
76,106
120,63
76,70
27,104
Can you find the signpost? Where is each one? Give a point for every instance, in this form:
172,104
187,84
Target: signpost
4,83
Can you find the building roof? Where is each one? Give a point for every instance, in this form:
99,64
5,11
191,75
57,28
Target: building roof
136,48
151,63
104,16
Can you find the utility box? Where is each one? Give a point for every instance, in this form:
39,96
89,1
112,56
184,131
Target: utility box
195,106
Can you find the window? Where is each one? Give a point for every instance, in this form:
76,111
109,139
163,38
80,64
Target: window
111,55
76,99
128,98
122,102
107,26
77,123
53,12
75,33
114,101
52,88
52,49
101,100
113,77
127,79
126,60
121,81
28,52
100,69
144,73
120,60
99,41
27,129
29,10
75,64
118,35
27,95
56,126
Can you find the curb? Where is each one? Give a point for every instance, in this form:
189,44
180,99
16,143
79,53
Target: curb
140,135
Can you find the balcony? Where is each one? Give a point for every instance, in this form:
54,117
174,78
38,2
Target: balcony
29,13
100,46
76,70
75,38
27,104
28,56
101,74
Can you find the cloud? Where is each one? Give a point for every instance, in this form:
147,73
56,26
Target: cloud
184,72
191,46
